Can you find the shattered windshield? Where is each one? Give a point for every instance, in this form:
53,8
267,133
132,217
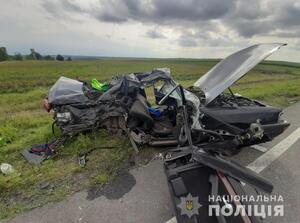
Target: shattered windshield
167,87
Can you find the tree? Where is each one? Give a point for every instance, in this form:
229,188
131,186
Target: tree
48,57
60,57
69,59
34,55
38,56
31,56
18,56
3,54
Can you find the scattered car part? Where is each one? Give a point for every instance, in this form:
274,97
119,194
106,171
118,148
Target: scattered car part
82,156
203,183
43,185
6,168
41,152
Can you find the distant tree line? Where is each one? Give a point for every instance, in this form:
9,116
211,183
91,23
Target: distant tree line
34,55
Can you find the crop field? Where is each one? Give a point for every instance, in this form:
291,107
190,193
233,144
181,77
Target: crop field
23,122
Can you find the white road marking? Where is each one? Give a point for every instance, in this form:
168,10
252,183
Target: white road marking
270,155
172,220
266,159
260,148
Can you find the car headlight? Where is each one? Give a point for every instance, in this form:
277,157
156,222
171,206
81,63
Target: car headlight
280,118
63,116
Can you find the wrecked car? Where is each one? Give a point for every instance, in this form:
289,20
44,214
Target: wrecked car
219,121
202,124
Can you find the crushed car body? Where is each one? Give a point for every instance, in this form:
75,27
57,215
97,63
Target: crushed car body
224,122
202,124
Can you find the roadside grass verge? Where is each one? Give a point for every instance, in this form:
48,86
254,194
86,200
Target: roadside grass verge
23,122
24,190
277,92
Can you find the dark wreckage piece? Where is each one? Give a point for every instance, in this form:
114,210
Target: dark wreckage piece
197,177
210,186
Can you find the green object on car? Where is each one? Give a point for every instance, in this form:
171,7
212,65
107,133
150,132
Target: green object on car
99,86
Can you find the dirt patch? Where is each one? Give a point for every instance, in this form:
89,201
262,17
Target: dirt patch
120,185
124,181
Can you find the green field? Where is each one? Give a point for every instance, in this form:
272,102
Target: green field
23,122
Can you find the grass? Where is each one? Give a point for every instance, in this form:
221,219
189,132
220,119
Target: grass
23,122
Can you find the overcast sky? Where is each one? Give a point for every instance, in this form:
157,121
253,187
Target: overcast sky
149,28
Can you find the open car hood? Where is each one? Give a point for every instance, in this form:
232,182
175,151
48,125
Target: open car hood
232,68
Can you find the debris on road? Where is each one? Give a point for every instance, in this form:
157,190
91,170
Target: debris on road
6,168
43,186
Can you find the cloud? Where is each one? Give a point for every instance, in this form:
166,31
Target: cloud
148,11
71,6
190,10
185,26
162,12
108,17
187,41
155,34
52,8
243,18
289,15
287,34
60,9
263,18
